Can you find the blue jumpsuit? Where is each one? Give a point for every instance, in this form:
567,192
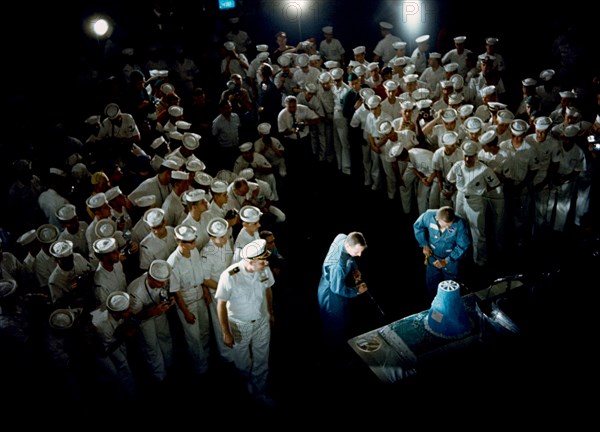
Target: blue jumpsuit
451,244
334,293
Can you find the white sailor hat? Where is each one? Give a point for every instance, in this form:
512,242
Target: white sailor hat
407,105
217,227
27,237
487,90
359,49
469,148
420,93
105,245
435,55
180,175
262,47
547,74
160,270
366,93
406,96
175,111
331,64
264,128
496,106
373,101
529,82
325,77
386,25
250,214
353,63
256,249
455,99
385,127
570,131
449,115
486,58
360,70
399,61
422,39
80,171
218,186
284,60
542,123
158,142
423,103
113,193
327,29
458,81
262,56
487,137
460,39
395,149
190,141
372,66
118,301
337,73
567,94
96,201
411,77
302,60
410,69
112,111
399,45
518,127
203,178
491,40
61,319
186,232
408,138
66,212
171,164
465,110
449,138
195,195
247,173
314,57
105,228
167,88
473,124
572,111
92,120
505,116
145,201
245,147
229,45
176,135
154,217
193,164
446,84
390,85
183,125
61,248
58,172
179,161
451,67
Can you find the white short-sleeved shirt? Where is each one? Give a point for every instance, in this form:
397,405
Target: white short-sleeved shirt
244,292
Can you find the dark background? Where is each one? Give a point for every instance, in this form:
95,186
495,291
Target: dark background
46,59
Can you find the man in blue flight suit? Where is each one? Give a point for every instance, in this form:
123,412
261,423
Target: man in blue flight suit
444,238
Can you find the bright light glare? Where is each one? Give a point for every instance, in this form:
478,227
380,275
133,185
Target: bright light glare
100,27
414,16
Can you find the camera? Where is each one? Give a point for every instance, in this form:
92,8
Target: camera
163,294
299,126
